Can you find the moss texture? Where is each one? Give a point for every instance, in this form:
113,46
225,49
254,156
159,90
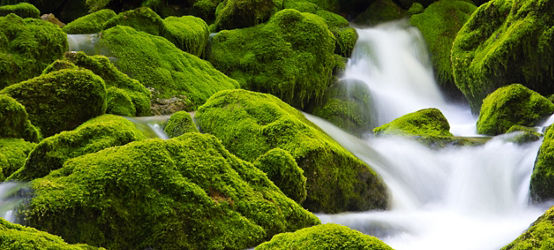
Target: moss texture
158,64
141,19
17,237
91,23
13,153
503,42
290,57
281,168
524,134
327,236
179,123
188,33
540,235
232,14
21,9
60,100
27,46
439,24
188,193
250,124
512,105
380,11
125,96
14,120
345,36
542,179
426,122
92,136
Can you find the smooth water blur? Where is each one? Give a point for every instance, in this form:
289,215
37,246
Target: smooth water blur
151,126
12,194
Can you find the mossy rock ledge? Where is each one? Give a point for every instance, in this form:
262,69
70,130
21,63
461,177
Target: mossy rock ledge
542,178
540,235
426,123
14,121
91,23
13,153
183,193
250,124
179,123
21,9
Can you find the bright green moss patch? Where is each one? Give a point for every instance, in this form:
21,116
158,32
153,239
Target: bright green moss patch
380,11
92,136
345,36
60,100
27,46
439,24
281,168
503,42
188,33
540,235
512,105
141,19
14,120
426,122
158,64
327,236
13,153
250,124
189,193
179,123
91,23
21,9
542,179
232,14
290,57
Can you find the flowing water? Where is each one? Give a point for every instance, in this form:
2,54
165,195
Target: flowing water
151,126
472,197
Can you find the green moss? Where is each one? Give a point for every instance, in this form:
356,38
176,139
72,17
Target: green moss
503,42
60,100
13,153
17,237
91,23
179,123
512,105
232,14
523,134
439,24
141,19
188,33
416,8
345,35
92,136
14,120
281,168
189,193
20,9
205,9
158,64
540,235
380,11
327,236
27,46
250,124
290,57
426,122
542,179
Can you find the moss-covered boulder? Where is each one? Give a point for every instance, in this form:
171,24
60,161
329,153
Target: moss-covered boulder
542,179
327,236
14,120
439,24
188,33
184,193
179,123
512,105
281,168
290,57
17,237
21,9
92,136
141,19
232,14
27,46
426,123
60,100
91,23
159,65
250,124
380,11
522,134
345,36
125,96
503,42
540,235
13,153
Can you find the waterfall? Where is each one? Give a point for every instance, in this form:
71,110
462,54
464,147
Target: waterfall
151,126
12,194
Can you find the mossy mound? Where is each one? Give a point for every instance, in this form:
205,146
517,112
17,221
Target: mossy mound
540,235
179,123
91,23
439,24
141,19
27,46
92,136
523,134
125,96
13,153
326,236
290,57
184,193
426,123
503,42
512,105
250,124
542,179
60,100
21,9
158,64
188,33
14,120
345,36
233,14
281,168
17,237
380,11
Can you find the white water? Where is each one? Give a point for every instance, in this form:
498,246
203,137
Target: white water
473,197
10,198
